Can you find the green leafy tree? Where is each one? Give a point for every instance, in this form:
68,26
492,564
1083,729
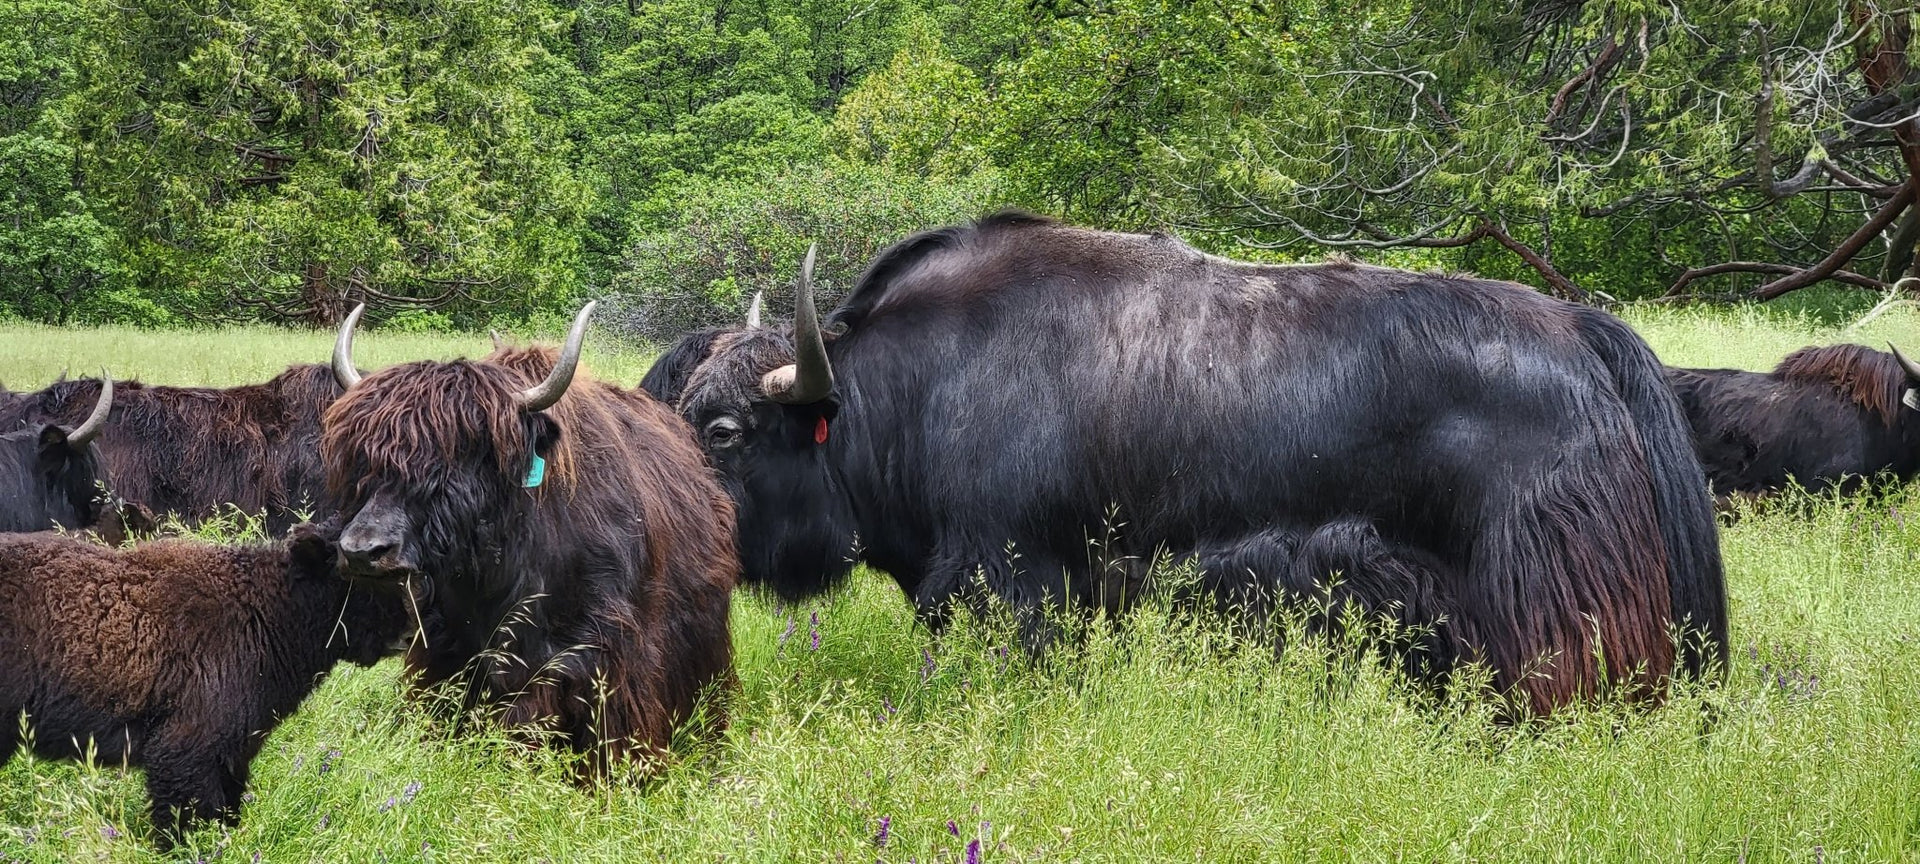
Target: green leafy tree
722,240
920,115
288,159
59,254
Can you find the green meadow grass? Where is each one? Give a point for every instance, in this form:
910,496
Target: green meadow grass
1154,740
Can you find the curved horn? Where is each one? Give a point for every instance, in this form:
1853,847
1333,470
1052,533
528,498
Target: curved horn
810,378
343,370
89,429
1913,369
541,396
753,310
498,341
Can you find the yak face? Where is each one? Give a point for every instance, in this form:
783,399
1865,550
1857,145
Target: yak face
51,475
762,403
794,530
429,464
426,464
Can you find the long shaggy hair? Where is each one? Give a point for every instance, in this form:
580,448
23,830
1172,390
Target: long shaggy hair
191,451
593,606
176,656
1006,390
1870,379
1825,417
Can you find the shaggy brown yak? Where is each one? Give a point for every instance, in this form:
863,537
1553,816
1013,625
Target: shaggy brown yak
573,552
175,656
192,450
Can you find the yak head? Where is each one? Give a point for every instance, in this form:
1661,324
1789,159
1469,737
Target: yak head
1910,394
365,622
52,476
434,467
762,402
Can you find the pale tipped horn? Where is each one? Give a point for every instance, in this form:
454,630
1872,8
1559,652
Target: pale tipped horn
753,310
809,378
499,341
343,370
541,396
1912,368
89,429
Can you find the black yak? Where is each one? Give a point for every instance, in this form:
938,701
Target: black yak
51,477
575,551
176,656
192,451
1015,403
1832,416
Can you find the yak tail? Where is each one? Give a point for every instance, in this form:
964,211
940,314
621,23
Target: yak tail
1695,582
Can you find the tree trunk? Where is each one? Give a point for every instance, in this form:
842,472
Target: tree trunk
1900,261
317,300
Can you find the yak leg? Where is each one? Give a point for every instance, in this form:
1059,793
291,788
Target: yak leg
1345,564
194,777
1032,587
1566,588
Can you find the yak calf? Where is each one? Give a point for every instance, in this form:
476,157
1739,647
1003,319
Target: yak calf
176,656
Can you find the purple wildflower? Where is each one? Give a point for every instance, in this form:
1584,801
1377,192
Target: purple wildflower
256,858
406,795
813,629
326,762
887,704
886,829
973,852
927,665
787,633
325,820
108,832
952,828
389,805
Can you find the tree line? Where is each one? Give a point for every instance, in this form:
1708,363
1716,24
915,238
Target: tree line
459,163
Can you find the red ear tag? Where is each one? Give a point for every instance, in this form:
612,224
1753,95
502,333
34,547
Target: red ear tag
820,431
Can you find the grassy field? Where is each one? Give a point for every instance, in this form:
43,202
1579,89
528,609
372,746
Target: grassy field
859,737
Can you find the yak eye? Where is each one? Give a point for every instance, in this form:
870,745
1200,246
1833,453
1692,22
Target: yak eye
723,432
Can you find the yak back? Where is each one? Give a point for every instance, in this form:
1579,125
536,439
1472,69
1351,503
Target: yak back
1096,342
1870,379
195,450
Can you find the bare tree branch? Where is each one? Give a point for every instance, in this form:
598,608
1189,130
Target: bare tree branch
1843,253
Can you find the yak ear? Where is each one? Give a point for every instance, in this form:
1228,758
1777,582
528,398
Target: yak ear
546,435
52,436
310,550
55,450
135,518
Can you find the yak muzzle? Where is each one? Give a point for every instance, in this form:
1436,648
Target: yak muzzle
375,544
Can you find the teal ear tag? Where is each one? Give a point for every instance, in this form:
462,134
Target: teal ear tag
536,474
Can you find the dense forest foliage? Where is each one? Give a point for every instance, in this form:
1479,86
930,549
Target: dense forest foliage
456,163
